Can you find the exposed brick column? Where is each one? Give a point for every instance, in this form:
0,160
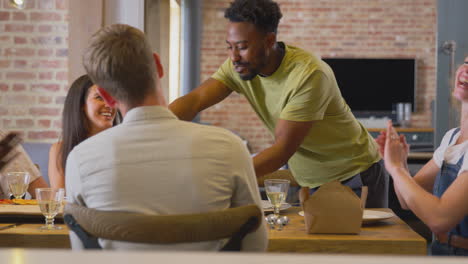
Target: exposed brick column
33,68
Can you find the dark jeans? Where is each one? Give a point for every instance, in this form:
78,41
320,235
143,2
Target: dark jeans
376,180
439,249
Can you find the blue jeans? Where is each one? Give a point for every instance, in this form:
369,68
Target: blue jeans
377,181
439,249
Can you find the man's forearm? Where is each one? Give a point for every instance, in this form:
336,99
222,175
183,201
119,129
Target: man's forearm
270,160
184,108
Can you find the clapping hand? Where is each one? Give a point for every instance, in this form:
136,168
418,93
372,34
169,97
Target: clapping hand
395,149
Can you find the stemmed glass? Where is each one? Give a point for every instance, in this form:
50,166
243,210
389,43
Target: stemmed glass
50,202
276,190
18,183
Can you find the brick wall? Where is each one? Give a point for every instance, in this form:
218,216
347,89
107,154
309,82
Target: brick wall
33,55
331,28
33,67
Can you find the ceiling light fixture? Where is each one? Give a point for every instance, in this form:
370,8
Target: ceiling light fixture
19,4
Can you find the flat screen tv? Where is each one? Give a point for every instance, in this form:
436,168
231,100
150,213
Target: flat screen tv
372,87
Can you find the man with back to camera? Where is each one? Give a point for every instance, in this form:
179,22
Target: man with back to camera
296,96
152,162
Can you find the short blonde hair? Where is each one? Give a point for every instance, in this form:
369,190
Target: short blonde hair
119,59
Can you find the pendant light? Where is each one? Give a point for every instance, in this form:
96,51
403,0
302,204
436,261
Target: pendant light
19,4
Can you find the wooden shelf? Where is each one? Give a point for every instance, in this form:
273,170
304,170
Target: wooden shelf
404,129
420,155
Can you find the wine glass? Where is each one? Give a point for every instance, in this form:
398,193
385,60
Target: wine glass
18,183
50,202
276,190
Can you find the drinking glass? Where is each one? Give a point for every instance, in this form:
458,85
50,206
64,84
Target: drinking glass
50,202
18,183
403,114
407,119
276,190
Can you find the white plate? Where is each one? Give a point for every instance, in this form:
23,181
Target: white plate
370,216
267,207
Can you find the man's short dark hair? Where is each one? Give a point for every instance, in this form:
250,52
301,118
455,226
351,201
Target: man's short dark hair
264,14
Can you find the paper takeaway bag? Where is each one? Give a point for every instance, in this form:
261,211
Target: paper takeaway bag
332,209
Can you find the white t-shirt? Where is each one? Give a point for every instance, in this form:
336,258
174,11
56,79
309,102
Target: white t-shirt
451,153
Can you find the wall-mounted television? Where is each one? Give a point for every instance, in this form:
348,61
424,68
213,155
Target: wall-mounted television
372,87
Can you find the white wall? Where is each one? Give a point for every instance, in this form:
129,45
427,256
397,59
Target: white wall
129,12
87,16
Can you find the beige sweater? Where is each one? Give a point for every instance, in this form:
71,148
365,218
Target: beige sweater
21,163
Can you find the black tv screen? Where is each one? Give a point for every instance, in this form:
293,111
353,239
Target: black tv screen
373,86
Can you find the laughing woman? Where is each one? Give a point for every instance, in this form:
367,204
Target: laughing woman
438,193
84,114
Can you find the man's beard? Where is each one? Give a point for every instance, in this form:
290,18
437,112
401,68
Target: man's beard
252,72
250,75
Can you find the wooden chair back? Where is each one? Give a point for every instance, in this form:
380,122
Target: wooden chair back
233,223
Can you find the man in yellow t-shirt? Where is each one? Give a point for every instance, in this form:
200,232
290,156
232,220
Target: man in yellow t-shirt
296,96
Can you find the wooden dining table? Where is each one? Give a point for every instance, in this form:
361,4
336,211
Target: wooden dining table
19,227
390,236
28,235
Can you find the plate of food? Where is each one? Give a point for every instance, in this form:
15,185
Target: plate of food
268,207
370,216
18,201
12,207
23,210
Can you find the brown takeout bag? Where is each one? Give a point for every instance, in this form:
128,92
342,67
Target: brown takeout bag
332,209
